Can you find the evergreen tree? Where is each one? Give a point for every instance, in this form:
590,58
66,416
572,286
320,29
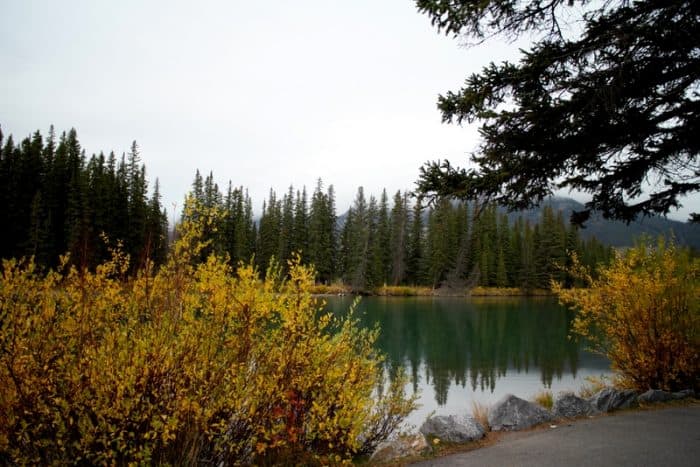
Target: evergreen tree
322,235
156,241
381,243
459,244
528,268
516,253
415,259
76,225
211,196
198,187
602,107
247,229
269,231
238,228
99,199
56,200
439,259
286,232
504,258
356,243
300,231
374,253
138,207
398,238
120,202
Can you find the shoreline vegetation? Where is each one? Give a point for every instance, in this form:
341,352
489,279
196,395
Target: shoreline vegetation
193,363
60,200
339,289
215,357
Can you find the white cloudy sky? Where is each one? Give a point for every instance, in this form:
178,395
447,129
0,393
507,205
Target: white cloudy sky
265,94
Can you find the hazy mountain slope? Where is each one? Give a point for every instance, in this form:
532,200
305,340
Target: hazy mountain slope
617,233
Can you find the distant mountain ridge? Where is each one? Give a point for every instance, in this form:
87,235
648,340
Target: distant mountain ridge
617,233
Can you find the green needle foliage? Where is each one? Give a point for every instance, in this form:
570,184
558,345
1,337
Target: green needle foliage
604,101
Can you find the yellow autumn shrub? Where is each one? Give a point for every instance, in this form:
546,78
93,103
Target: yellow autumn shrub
189,364
643,313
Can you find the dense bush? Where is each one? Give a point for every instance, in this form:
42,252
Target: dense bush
643,313
189,364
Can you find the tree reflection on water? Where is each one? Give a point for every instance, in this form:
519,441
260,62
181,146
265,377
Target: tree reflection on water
475,342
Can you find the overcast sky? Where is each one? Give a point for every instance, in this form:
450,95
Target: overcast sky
265,94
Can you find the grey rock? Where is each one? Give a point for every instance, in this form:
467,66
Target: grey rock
571,406
684,394
512,413
452,429
655,395
411,445
609,399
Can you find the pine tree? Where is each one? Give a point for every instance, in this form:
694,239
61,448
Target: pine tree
398,241
76,225
300,232
505,252
438,248
602,107
198,187
527,278
516,256
98,198
157,228
381,243
56,200
374,253
356,238
459,243
286,232
247,229
415,259
269,231
322,235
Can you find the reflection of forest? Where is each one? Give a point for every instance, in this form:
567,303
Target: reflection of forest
464,342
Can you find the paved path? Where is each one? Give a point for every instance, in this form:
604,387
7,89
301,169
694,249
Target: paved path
663,437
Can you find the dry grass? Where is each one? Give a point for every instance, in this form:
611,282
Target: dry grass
480,412
402,291
335,288
544,398
481,291
593,385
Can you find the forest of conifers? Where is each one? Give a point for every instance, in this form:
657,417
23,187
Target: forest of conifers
56,200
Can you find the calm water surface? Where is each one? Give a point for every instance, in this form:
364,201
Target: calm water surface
458,350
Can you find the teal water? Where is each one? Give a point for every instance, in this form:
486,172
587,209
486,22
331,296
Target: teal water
458,350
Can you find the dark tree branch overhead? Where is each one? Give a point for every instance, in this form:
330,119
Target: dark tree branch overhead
613,112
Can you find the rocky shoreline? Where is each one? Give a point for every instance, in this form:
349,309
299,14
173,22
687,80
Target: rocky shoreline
512,413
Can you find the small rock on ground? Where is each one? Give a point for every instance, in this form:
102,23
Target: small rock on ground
452,428
512,413
411,445
655,395
685,393
571,406
609,399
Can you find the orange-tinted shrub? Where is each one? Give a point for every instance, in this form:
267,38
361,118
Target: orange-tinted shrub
190,364
643,313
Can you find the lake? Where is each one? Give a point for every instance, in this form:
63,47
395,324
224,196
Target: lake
459,350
